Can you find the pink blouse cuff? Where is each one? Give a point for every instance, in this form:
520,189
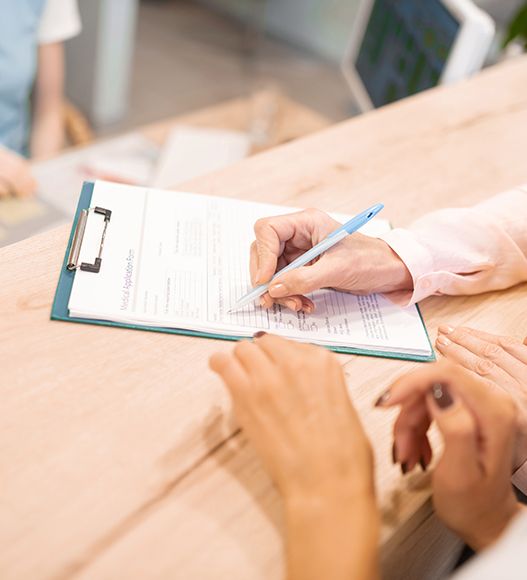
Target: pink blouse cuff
419,262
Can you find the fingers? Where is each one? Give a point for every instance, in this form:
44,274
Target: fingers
25,186
479,351
302,362
295,303
253,264
271,235
473,390
281,350
230,369
493,410
255,362
488,359
302,280
15,175
410,441
493,424
460,432
415,384
290,235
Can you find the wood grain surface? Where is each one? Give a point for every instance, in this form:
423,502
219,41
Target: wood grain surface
119,457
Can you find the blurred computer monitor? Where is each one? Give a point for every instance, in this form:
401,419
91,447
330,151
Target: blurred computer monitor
401,47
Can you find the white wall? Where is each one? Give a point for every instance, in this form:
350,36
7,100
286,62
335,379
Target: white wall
324,25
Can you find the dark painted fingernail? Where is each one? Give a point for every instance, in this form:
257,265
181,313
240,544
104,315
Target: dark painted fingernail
259,334
384,398
442,397
422,463
394,454
404,468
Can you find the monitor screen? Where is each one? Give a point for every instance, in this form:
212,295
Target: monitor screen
405,48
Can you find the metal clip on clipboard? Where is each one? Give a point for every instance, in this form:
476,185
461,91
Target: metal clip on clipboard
78,236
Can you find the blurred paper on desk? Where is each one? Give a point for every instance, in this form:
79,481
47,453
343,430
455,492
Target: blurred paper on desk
191,151
129,159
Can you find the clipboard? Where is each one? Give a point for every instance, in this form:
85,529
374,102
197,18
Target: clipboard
60,311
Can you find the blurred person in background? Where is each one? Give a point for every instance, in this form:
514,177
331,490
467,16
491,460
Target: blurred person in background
32,33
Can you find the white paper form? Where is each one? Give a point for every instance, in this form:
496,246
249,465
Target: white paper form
189,152
181,260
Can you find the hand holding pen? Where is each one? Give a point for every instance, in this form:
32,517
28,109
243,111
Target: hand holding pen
357,263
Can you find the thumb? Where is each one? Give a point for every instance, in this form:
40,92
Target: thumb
302,280
460,434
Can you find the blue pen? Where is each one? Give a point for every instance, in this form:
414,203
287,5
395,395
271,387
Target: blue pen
334,238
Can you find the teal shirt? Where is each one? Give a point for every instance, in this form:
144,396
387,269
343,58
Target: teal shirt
19,24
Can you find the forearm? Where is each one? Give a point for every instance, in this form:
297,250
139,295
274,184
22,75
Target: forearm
337,540
465,251
47,135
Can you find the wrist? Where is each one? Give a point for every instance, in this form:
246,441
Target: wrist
393,273
353,486
491,531
339,510
330,537
380,268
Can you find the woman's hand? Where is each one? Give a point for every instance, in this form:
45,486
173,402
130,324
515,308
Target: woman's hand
359,264
292,402
15,175
472,492
291,399
501,361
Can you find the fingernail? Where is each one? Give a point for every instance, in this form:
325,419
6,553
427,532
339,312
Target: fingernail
384,398
394,454
422,463
446,329
404,468
262,302
442,397
259,334
443,341
278,291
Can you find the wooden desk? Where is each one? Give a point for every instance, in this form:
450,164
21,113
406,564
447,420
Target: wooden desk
118,455
288,119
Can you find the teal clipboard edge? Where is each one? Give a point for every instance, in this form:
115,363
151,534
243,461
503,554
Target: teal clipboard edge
59,310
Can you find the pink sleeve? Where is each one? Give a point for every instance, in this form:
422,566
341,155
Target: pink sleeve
465,251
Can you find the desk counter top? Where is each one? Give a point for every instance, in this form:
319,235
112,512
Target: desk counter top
119,454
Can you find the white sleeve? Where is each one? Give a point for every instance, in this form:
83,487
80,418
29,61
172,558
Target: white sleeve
505,559
60,21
